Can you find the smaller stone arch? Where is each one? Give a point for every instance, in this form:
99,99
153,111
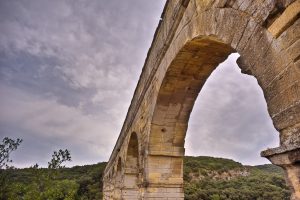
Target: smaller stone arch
131,170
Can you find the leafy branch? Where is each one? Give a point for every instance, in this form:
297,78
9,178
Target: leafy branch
6,147
58,158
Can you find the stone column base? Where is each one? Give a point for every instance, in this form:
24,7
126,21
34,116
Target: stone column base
287,157
164,192
130,194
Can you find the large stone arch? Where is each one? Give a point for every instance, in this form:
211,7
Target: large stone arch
193,37
181,84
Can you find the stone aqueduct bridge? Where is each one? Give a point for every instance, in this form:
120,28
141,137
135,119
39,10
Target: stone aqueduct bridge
192,38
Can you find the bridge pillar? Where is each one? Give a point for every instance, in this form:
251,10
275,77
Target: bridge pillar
287,156
164,192
131,183
165,177
117,186
130,189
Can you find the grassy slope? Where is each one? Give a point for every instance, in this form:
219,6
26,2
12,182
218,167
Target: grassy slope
205,178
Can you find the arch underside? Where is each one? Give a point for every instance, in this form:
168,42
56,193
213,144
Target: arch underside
193,38
179,90
180,87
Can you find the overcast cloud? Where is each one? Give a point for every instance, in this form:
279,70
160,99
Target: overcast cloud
68,70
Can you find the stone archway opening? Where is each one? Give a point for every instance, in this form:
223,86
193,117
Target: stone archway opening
230,117
229,120
178,92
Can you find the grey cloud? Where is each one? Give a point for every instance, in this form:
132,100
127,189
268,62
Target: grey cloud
95,42
68,70
54,125
39,75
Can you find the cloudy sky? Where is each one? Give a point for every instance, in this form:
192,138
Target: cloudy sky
68,70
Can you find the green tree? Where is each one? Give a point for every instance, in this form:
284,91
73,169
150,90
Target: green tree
6,147
45,185
58,158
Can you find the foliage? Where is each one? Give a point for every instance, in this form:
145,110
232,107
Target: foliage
207,178
42,183
202,164
270,168
6,147
203,180
58,158
50,190
79,183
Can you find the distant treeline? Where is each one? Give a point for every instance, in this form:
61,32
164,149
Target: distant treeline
205,178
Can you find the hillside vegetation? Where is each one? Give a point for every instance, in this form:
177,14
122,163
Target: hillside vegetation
209,178
205,178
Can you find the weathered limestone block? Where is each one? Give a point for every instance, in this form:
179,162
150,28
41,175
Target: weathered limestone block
287,38
290,136
289,160
287,18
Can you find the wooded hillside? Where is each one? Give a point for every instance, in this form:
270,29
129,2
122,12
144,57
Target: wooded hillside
205,178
